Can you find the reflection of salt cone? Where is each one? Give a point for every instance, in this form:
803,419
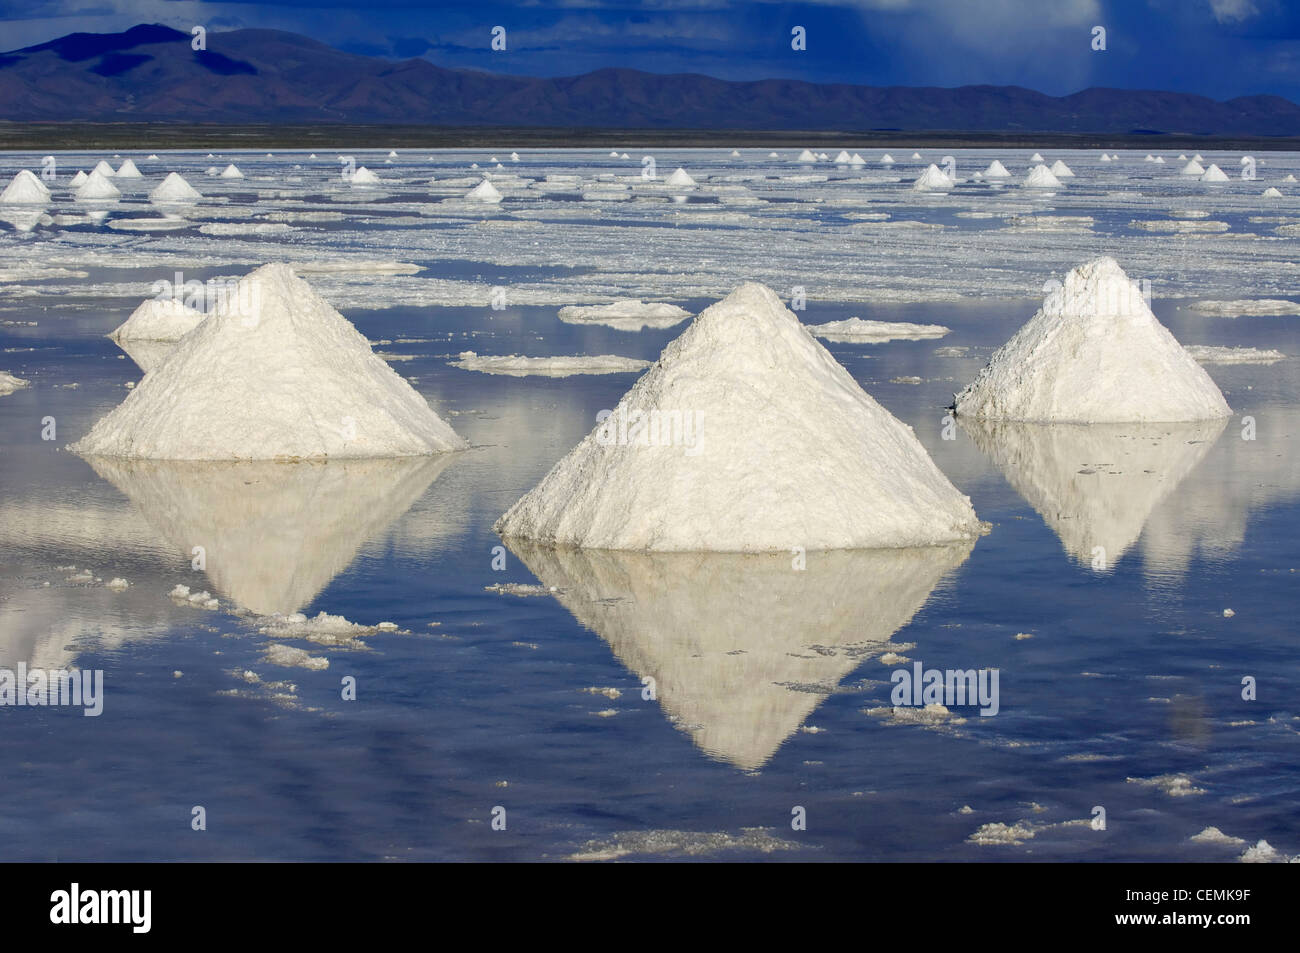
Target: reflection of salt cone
274,534
742,647
1094,484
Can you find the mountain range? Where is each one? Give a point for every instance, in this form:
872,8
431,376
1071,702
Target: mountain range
150,73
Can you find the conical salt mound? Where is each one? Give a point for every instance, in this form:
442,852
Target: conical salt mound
996,170
78,179
843,158
1271,193
157,319
680,178
1061,170
1105,158
97,186
1214,174
1192,168
1040,177
127,170
231,172
1036,157
174,188
745,436
485,191
1094,353
807,156
887,159
25,189
1198,158
104,169
857,160
364,176
931,179
273,373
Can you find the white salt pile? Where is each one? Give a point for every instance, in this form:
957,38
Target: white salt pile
614,154
104,169
856,329
1061,170
857,160
1192,168
1036,157
485,191
680,178
515,365
97,187
363,176
1105,158
1160,160
127,170
273,373
1094,353
627,314
230,172
1271,193
932,179
174,188
916,155
807,156
773,155
777,447
78,179
996,170
1198,158
1289,178
156,319
1041,177
392,155
25,189
1149,158
9,383
514,157
1214,174
843,158
886,159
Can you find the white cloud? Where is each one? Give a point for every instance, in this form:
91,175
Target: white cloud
1228,11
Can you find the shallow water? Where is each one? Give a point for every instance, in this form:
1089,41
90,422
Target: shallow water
763,676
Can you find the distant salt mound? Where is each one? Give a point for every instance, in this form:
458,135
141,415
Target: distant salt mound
78,179
1160,160
1105,158
515,365
485,191
887,159
857,160
782,448
273,373
104,169
628,314
875,332
1214,174
1271,193
1094,353
680,178
174,188
158,320
363,176
25,189
1041,177
996,170
514,157
1061,170
1192,168
1036,157
916,155
1149,158
9,383
932,179
231,172
97,187
1289,178
807,156
127,170
843,158
773,155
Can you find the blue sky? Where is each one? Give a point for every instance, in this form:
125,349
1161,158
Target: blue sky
1218,48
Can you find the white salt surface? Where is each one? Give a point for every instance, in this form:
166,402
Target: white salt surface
628,314
1093,353
515,365
158,320
1256,306
857,329
174,188
273,373
1233,355
9,383
784,450
25,189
